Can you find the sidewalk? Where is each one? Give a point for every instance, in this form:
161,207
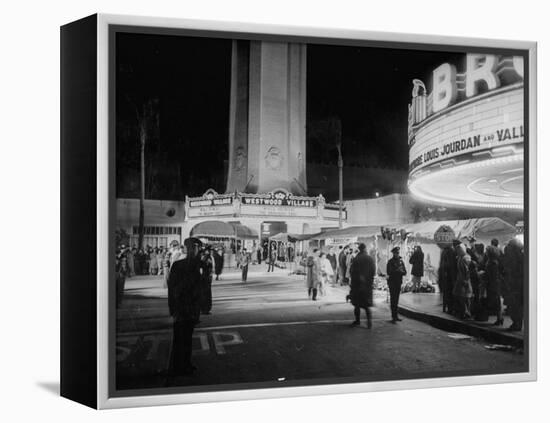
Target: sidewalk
428,308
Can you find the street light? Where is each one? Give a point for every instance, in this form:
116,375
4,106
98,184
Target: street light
340,184
338,135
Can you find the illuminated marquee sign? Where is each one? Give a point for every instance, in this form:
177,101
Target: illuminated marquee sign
466,113
210,204
483,73
210,199
422,155
466,136
276,203
278,198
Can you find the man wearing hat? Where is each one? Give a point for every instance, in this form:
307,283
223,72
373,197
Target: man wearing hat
184,300
395,271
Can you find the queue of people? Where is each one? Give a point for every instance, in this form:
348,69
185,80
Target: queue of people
478,281
162,260
145,261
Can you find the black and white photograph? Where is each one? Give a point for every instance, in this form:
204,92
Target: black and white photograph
293,212
275,212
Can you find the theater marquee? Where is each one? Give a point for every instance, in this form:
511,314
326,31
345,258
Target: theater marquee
466,136
278,203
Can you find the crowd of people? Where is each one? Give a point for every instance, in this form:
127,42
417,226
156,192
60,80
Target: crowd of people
354,267
478,281
158,261
475,281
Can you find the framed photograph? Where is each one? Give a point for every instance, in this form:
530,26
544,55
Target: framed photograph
268,211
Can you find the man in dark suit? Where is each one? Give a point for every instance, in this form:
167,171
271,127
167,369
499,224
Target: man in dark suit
218,263
184,301
362,277
395,271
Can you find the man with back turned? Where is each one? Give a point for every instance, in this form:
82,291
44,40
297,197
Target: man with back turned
184,301
362,278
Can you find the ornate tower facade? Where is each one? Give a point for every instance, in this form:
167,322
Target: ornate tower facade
267,123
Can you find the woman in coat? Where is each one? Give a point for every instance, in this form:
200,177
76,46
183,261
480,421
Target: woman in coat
218,263
326,273
160,257
417,271
153,263
463,286
313,274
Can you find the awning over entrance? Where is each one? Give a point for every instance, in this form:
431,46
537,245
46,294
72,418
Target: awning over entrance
213,228
482,228
219,229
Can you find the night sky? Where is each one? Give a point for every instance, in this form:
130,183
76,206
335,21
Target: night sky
186,83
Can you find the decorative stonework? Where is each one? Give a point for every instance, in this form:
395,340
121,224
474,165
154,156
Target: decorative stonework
240,159
274,159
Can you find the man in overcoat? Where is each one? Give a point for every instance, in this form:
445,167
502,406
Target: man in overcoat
184,296
245,261
417,271
362,277
207,265
395,270
342,265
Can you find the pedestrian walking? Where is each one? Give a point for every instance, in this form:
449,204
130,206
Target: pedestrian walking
218,263
245,261
342,265
395,270
271,260
362,278
313,274
259,254
207,269
417,271
184,294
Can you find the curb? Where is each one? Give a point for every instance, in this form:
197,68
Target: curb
457,326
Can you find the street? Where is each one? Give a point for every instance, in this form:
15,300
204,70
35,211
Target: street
267,330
